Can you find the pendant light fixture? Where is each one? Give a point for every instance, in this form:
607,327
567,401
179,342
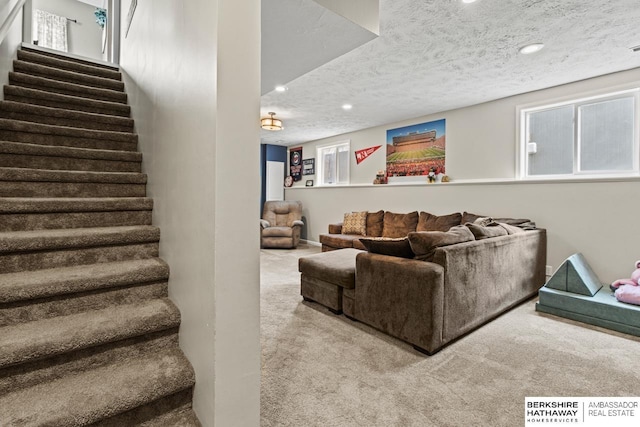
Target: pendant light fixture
271,123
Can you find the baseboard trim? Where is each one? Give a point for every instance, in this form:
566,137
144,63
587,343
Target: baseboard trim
311,242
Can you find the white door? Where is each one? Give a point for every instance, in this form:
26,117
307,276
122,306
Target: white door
275,176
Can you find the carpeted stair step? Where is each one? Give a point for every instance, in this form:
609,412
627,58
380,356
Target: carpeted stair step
22,182
66,76
55,86
25,375
36,340
100,393
61,117
36,133
34,156
44,249
66,64
66,57
42,294
55,100
20,214
175,411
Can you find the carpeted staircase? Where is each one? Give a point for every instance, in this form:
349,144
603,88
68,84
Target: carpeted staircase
87,332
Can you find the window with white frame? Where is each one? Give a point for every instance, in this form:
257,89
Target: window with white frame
585,137
333,163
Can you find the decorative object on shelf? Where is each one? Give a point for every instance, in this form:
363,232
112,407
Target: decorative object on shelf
101,16
295,163
413,150
288,181
381,177
446,178
271,123
309,167
363,154
431,176
309,183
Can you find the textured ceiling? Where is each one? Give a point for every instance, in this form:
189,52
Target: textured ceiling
436,55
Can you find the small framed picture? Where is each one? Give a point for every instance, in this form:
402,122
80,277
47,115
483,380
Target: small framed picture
309,167
309,183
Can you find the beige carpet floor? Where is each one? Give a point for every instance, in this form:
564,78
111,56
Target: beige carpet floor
319,369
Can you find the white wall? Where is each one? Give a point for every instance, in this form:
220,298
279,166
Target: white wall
595,218
196,103
10,44
85,36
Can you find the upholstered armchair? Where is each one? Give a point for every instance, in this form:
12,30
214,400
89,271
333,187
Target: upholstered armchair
281,224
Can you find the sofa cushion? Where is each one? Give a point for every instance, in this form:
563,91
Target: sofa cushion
335,267
425,243
470,217
375,223
386,246
277,232
335,228
486,232
355,223
338,240
399,225
430,222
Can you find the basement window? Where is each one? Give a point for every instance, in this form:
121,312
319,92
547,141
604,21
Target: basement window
333,163
582,138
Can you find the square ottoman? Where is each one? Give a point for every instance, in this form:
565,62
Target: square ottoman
326,276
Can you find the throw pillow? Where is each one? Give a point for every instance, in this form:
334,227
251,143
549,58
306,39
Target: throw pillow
392,247
375,223
481,232
399,225
425,243
355,223
430,222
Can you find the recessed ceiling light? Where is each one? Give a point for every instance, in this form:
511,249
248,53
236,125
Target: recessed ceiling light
468,1
347,107
531,48
281,88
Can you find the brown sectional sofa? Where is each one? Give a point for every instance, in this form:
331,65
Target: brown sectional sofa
429,303
390,225
393,225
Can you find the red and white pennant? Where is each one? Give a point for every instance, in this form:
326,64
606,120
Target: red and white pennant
363,154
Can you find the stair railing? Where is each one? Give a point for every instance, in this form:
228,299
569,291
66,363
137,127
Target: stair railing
4,29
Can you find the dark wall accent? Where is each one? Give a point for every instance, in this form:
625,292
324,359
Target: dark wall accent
271,153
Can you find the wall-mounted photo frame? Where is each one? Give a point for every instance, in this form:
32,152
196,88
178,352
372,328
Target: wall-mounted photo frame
309,183
309,167
413,152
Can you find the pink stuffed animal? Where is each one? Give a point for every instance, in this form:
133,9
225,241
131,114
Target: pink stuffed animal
628,290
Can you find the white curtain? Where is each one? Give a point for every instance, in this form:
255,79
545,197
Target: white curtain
50,30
